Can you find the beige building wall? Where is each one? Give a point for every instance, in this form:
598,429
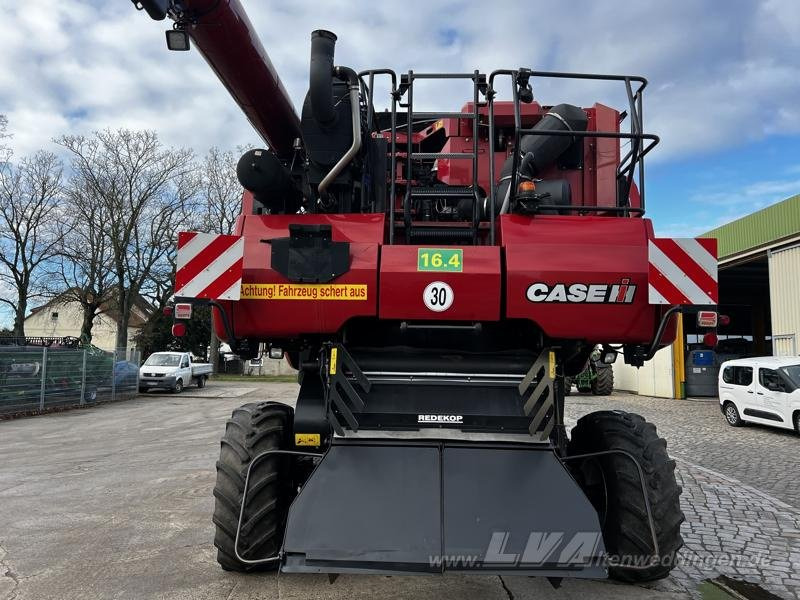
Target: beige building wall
655,378
44,322
784,292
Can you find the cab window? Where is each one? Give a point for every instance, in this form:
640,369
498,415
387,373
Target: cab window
727,375
771,380
737,375
743,376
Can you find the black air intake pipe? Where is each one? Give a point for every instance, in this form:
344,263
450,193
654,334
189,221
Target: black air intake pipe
320,84
538,152
261,173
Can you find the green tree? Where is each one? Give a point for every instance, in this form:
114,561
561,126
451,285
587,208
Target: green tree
156,334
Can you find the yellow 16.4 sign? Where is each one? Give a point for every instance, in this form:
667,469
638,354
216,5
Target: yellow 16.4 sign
440,259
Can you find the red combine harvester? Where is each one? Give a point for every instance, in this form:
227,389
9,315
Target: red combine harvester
434,277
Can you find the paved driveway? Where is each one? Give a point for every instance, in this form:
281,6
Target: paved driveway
115,502
741,492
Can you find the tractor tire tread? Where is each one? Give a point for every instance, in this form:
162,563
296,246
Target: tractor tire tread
626,531
603,383
252,429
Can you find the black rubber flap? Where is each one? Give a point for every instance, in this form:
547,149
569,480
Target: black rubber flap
519,510
377,508
309,255
368,508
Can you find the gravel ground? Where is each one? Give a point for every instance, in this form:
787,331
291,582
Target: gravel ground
115,502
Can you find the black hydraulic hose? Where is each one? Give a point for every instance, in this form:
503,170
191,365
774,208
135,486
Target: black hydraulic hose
320,85
537,152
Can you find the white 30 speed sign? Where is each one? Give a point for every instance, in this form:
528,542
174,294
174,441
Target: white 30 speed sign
438,296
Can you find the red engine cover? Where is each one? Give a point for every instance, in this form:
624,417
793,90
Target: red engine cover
470,294
576,277
579,277
272,306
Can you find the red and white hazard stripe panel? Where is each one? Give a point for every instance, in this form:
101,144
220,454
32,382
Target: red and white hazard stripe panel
209,266
683,271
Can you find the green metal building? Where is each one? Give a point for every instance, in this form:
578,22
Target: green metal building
759,277
759,284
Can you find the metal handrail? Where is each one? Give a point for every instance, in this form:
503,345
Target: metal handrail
635,155
370,115
407,87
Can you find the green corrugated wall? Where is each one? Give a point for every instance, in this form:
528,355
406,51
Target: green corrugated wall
762,227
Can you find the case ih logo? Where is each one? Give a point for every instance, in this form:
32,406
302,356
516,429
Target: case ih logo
440,419
577,293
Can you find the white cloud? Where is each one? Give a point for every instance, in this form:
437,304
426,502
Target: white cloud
755,195
719,77
716,204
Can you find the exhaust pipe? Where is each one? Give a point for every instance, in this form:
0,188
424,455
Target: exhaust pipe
320,91
355,147
320,84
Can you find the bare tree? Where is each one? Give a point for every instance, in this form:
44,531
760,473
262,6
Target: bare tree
83,270
222,192
222,202
5,150
30,218
147,192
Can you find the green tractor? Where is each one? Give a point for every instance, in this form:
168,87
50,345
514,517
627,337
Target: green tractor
597,377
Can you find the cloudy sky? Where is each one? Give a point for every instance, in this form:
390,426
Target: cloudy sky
723,96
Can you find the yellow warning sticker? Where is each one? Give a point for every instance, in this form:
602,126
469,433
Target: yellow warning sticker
552,365
306,439
304,291
334,356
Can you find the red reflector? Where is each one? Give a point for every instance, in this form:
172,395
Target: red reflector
724,320
183,310
179,329
710,340
167,310
706,318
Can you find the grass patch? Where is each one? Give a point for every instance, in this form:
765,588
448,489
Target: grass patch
245,378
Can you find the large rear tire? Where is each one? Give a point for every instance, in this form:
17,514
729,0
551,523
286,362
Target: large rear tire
603,384
612,484
253,429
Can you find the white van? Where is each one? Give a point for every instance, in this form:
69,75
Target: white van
762,390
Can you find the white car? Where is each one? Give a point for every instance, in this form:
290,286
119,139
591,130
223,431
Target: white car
762,390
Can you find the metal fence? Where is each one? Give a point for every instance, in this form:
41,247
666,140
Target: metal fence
39,378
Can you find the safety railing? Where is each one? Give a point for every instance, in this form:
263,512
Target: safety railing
630,164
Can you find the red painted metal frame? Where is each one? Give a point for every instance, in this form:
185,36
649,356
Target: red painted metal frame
588,250
227,40
492,285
